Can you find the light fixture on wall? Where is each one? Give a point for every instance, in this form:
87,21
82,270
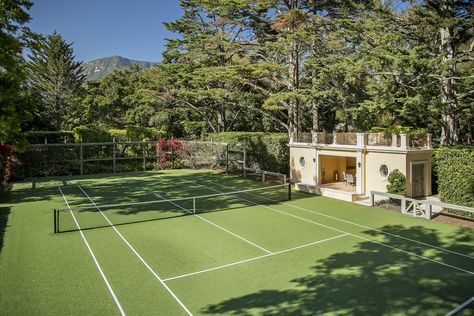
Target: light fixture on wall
359,164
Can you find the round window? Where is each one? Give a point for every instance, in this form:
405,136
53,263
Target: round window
302,162
383,171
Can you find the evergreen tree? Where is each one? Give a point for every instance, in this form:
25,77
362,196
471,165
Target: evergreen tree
57,79
15,103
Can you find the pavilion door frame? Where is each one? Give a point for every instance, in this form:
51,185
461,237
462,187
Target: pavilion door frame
425,175
359,157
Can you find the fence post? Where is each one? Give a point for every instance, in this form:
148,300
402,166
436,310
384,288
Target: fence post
227,159
428,210
284,178
244,164
81,159
144,156
289,190
404,205
55,227
263,176
372,197
114,158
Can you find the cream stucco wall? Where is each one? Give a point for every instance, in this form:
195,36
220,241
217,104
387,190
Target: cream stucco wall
373,160
299,174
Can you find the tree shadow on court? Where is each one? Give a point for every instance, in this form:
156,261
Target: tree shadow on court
369,279
4,213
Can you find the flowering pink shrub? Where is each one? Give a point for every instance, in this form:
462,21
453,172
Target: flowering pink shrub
169,152
7,160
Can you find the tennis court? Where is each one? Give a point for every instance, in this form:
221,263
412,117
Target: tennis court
188,242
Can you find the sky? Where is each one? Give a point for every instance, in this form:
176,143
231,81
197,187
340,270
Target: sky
102,28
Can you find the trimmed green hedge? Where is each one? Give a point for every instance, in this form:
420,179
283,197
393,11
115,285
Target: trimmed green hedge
86,134
455,170
136,133
265,151
39,137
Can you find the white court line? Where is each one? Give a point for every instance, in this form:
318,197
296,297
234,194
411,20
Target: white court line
359,225
93,257
138,255
354,235
460,307
254,258
214,224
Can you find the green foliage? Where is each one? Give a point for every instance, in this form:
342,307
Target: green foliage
136,133
455,170
16,106
396,182
265,151
398,129
86,134
37,137
193,129
57,79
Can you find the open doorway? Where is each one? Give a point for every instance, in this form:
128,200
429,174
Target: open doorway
338,172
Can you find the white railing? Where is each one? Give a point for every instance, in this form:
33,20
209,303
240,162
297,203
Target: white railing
419,208
361,140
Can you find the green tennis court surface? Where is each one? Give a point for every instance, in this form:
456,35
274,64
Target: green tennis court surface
162,252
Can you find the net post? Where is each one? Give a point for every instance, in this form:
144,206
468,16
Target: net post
289,191
194,205
55,221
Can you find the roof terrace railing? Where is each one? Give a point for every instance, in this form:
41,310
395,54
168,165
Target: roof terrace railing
360,140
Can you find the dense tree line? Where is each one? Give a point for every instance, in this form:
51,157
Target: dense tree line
267,65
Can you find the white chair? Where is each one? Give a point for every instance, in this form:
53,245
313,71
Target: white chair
350,179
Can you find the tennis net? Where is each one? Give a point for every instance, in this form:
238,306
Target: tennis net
95,216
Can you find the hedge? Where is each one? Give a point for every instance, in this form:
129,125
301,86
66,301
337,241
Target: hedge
136,133
455,170
86,134
38,137
265,151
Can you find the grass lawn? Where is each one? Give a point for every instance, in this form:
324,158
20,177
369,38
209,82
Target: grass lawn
240,254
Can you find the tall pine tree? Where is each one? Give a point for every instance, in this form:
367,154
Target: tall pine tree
57,79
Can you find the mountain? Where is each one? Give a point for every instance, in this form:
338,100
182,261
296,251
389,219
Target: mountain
98,68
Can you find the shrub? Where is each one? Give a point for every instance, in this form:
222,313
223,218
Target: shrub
86,134
169,153
39,137
136,133
396,182
7,160
265,151
455,171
